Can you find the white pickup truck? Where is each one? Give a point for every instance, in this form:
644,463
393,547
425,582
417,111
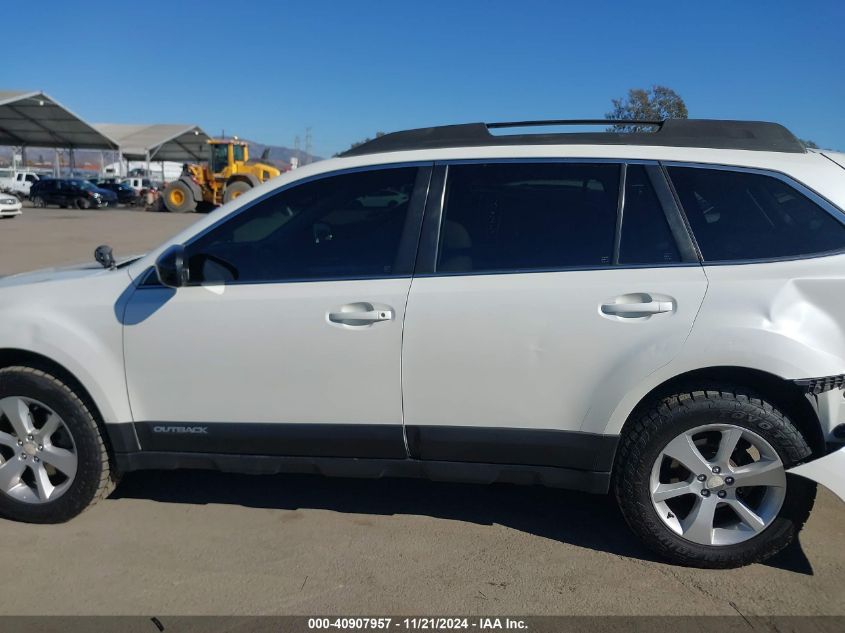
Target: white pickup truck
18,182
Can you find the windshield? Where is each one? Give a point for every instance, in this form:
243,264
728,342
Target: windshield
83,184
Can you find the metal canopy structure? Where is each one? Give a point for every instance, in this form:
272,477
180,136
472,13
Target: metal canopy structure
160,142
33,119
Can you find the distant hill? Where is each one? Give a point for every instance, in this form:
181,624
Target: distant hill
279,155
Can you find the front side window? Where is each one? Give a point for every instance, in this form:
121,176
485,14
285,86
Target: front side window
344,226
238,152
528,216
745,216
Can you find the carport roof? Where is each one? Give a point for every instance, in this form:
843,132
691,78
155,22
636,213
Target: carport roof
34,119
164,141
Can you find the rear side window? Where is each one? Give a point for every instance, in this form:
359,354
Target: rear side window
528,216
646,236
742,216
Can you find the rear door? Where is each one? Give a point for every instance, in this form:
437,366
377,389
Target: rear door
541,292
52,192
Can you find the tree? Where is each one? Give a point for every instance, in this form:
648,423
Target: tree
808,144
366,140
655,104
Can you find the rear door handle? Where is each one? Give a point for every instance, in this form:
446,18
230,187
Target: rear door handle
637,309
358,314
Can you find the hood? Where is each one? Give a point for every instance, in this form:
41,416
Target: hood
106,193
88,269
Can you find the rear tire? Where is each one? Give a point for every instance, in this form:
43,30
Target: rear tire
235,189
706,419
178,198
72,456
38,202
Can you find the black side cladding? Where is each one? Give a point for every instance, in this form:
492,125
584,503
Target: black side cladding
533,447
820,385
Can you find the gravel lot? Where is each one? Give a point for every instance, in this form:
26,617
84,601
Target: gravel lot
211,543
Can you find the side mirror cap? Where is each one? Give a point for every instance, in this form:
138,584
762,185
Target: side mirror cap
171,267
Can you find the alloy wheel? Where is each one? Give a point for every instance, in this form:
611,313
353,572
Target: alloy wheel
38,459
718,484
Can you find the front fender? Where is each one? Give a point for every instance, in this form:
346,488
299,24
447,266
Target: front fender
75,323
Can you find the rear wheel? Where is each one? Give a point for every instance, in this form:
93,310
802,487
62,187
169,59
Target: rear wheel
701,478
178,198
235,189
38,202
53,461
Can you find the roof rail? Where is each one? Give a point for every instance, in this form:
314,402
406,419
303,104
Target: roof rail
706,133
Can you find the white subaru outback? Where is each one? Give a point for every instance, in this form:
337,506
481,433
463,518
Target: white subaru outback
657,312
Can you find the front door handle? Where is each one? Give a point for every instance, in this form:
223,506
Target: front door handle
360,314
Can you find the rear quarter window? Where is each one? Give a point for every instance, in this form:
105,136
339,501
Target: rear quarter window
738,216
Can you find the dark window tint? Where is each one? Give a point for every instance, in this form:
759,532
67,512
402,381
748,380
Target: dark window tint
739,215
646,237
219,157
335,227
523,216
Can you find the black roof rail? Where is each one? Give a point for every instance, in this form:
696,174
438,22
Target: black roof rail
706,133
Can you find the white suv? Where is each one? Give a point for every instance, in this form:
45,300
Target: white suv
660,313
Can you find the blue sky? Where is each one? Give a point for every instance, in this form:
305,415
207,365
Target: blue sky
267,70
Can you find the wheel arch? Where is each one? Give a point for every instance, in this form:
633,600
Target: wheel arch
195,189
12,357
784,394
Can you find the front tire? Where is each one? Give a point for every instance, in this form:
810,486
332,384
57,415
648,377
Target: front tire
53,460
178,198
700,478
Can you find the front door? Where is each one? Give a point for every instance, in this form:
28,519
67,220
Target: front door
287,341
546,301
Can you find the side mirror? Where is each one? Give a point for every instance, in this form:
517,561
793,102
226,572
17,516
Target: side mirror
171,267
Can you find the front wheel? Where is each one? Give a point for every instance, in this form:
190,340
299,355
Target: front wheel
178,198
53,461
701,478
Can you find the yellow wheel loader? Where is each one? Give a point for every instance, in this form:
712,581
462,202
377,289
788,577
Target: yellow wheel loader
228,174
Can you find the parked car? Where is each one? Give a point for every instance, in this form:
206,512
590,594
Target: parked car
137,183
659,314
17,182
72,192
125,193
10,206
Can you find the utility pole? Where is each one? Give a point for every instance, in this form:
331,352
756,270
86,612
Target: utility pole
307,145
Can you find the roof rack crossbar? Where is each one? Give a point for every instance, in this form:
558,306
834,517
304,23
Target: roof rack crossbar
691,133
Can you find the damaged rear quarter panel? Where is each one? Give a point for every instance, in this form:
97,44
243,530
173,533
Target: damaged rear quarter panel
785,318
